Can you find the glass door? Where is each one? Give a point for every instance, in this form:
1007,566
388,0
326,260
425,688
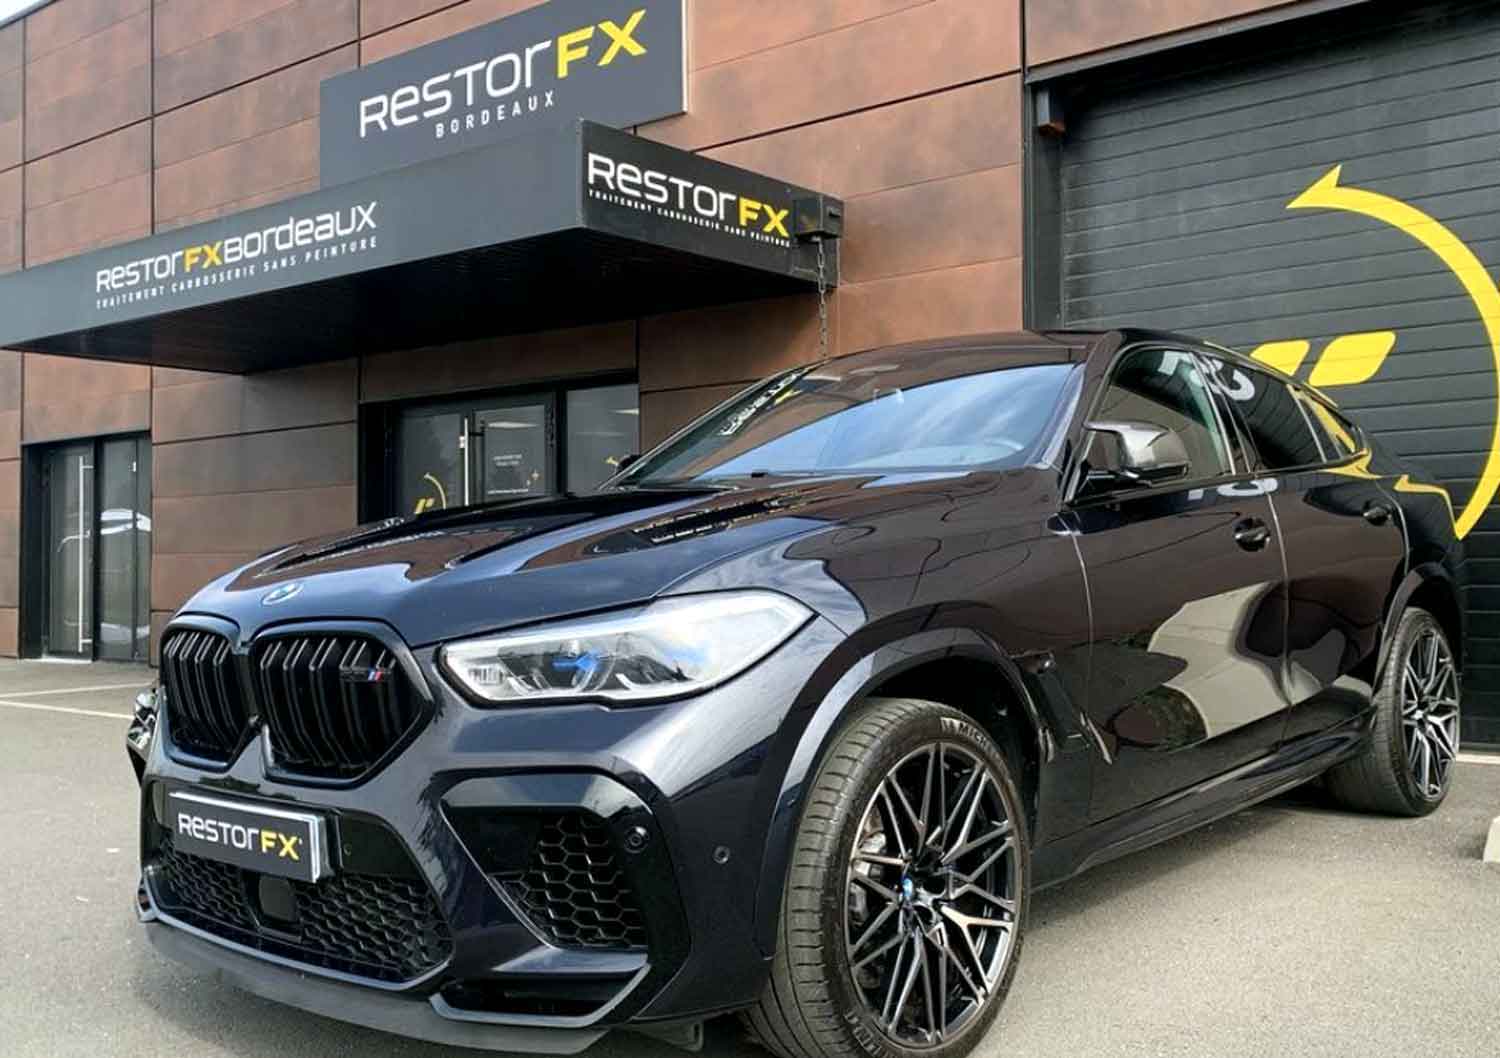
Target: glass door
430,468
70,551
97,562
124,551
458,455
513,450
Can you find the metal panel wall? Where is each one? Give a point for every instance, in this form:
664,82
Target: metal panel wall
1207,202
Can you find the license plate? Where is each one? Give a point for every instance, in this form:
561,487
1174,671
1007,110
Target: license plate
268,840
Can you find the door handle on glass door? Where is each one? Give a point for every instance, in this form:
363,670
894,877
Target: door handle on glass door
1252,534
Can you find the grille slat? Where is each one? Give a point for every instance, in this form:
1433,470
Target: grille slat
206,708
385,928
335,704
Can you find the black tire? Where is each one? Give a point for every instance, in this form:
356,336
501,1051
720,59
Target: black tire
813,1006
1386,776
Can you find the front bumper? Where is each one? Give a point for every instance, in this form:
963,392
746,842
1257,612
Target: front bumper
411,1016
684,792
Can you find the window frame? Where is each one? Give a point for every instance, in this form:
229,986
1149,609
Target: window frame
1230,434
378,428
1301,396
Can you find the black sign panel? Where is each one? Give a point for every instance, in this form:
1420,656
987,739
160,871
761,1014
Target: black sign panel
642,189
563,227
268,840
619,62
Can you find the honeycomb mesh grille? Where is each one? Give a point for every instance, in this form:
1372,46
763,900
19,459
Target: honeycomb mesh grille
387,929
574,890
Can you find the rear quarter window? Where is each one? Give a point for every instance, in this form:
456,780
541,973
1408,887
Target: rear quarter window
1273,416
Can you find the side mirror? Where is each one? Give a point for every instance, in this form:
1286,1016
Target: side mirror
626,461
1149,454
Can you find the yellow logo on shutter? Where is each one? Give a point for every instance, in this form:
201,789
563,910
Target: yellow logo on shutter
1354,358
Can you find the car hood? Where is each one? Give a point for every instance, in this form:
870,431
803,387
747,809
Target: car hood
454,573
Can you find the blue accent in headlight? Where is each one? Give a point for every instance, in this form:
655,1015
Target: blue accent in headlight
586,664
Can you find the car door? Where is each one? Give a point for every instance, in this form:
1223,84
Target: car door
1342,535
1184,582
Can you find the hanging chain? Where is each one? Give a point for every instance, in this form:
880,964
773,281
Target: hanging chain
822,300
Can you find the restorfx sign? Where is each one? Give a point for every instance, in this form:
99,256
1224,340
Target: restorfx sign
617,62
237,257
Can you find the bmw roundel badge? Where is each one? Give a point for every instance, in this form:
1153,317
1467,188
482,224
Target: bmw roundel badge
282,594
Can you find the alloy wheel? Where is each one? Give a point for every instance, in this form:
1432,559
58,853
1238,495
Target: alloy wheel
932,896
1429,712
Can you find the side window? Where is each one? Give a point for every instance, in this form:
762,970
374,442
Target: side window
1338,436
1273,416
1164,387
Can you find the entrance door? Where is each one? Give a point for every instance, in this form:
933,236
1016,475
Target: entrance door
70,552
98,550
478,453
124,551
513,450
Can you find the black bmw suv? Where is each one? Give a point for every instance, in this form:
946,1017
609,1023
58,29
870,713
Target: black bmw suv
793,715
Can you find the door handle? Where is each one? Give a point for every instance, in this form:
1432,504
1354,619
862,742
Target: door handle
1377,513
1252,534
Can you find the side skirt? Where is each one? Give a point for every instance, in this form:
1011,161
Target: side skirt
1140,828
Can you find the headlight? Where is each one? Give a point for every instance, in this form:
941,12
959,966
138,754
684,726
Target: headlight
672,647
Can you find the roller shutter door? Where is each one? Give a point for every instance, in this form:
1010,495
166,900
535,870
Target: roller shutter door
1175,196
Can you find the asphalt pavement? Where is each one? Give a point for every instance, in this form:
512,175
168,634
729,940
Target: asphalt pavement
1288,929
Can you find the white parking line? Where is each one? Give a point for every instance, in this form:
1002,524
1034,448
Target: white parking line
63,709
1479,758
90,690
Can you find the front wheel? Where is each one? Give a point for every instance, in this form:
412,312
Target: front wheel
905,902
1406,769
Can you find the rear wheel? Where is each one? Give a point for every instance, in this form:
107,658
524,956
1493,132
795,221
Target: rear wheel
906,896
1407,767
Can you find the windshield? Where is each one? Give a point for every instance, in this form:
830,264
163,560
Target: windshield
953,412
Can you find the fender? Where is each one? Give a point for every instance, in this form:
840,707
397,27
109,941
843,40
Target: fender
867,672
1419,577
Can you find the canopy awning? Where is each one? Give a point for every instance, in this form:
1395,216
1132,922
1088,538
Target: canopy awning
577,225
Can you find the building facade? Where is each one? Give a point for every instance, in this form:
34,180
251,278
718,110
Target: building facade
1313,181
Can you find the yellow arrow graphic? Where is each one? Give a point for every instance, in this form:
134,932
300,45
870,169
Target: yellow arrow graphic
1327,194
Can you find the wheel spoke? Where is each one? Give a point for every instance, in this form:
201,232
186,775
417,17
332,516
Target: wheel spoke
924,820
892,820
942,946
899,938
878,860
919,828
918,961
895,984
1007,906
976,798
1001,830
977,990
1411,690
1444,679
952,817
873,928
929,999
964,922
1430,646
1425,774
1442,741
875,887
